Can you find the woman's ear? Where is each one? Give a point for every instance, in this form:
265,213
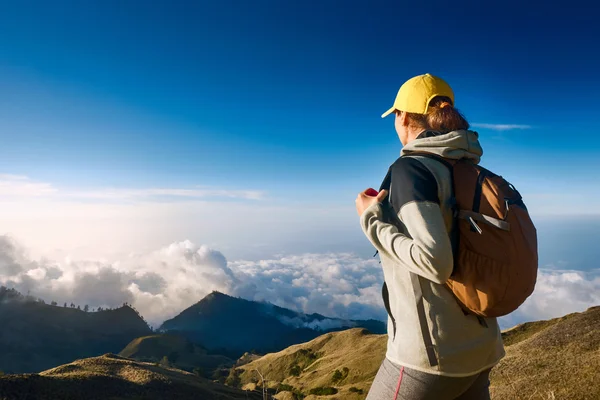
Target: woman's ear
403,119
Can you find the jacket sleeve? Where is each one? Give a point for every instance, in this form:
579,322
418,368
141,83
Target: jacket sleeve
425,247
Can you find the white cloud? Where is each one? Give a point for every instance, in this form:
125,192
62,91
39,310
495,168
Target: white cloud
557,293
164,282
316,324
24,187
500,127
153,193
331,284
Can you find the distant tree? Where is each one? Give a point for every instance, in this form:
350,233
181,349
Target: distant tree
72,305
295,370
337,376
198,371
41,301
164,362
53,303
79,308
323,391
100,309
65,306
86,308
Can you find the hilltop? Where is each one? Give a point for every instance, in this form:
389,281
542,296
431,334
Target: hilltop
116,378
218,319
355,353
558,358
37,336
178,351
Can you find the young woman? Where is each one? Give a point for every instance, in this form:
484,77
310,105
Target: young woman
435,350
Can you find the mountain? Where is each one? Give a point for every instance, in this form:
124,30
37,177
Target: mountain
37,336
554,359
179,352
223,322
116,378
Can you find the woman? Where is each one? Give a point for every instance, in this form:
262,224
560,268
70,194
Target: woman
434,350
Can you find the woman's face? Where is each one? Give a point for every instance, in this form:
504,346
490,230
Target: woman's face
401,128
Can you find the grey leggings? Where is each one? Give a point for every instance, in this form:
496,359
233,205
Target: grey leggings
416,385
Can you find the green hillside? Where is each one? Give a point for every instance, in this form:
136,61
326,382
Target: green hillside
116,378
555,359
179,351
37,336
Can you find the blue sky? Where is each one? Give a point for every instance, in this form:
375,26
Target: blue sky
283,94
251,126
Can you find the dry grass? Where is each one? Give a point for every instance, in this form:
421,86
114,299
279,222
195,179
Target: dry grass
561,360
546,360
116,378
356,349
555,359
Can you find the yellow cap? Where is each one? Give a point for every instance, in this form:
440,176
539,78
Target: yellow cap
416,93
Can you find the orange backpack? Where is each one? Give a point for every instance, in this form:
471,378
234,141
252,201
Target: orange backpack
494,241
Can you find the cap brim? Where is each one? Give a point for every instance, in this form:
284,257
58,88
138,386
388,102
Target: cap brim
388,112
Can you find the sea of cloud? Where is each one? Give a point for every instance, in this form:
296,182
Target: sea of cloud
162,283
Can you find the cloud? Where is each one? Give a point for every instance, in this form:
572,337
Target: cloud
557,293
24,187
501,127
340,285
164,282
164,193
316,324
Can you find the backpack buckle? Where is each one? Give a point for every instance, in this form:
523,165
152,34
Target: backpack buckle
507,205
474,226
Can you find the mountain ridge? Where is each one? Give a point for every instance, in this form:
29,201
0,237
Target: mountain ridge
266,327
39,336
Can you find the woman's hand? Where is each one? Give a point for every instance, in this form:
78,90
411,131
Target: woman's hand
364,200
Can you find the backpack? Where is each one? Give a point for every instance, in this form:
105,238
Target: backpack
494,241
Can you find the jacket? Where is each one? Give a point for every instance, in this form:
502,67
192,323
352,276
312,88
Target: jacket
427,329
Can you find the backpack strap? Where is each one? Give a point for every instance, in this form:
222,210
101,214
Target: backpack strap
454,232
384,290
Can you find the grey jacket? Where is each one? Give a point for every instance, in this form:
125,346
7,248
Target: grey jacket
416,256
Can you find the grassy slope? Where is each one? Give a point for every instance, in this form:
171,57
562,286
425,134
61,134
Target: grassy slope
559,357
183,353
116,378
356,349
